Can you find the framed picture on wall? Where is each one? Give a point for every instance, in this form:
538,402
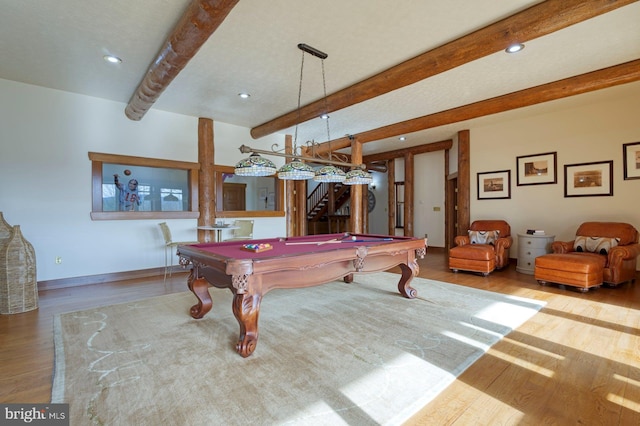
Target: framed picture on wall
494,185
588,179
631,157
538,169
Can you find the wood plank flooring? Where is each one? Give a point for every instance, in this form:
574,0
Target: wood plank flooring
576,362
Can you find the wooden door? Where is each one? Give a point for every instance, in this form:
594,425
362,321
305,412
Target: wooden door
233,196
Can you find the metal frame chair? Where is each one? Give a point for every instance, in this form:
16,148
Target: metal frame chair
244,230
170,245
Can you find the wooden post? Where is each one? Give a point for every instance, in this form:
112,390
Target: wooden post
206,180
289,193
464,182
391,196
301,207
408,194
356,223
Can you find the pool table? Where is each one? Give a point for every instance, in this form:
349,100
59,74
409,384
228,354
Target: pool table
290,263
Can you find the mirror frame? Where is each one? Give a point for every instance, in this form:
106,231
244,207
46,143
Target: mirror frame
97,160
279,197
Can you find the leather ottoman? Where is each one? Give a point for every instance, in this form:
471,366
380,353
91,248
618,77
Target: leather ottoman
582,270
473,257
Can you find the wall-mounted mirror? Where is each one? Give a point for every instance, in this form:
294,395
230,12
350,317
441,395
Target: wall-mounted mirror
125,187
243,196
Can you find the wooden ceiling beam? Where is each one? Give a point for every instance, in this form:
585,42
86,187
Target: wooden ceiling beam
539,20
194,28
413,150
583,83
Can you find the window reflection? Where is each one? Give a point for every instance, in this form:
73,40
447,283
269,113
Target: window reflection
248,193
145,189
245,196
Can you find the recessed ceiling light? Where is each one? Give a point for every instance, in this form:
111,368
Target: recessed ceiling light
516,47
324,116
402,138
112,59
244,95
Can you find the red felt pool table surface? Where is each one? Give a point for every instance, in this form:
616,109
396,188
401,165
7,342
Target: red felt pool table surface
295,245
291,263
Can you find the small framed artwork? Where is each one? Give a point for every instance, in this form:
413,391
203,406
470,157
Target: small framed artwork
494,185
631,157
538,169
588,179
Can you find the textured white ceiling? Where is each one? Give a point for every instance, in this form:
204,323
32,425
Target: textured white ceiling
60,44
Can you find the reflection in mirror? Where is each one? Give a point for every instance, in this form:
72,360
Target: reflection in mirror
128,188
238,196
149,189
248,193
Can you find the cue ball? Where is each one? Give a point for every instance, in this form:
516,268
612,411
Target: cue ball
353,238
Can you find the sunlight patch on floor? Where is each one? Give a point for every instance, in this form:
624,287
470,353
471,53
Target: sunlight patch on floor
522,363
622,401
467,340
534,349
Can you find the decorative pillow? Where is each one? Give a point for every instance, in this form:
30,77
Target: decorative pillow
600,245
483,237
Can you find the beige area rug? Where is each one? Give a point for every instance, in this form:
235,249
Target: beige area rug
339,353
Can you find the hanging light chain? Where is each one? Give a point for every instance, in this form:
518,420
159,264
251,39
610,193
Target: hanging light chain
295,137
326,108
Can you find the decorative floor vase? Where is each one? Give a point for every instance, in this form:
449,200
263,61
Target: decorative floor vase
18,284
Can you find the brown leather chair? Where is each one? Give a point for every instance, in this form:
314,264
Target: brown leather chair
483,249
610,246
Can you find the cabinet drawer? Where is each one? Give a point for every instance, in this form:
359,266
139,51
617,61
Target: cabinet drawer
536,243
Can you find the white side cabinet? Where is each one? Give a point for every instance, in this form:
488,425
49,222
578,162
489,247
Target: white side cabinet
530,247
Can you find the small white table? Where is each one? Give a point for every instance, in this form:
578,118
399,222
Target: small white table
530,247
218,229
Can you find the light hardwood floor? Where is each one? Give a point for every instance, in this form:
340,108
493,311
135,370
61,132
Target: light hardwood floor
575,362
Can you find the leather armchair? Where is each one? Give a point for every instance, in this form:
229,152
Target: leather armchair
620,260
469,255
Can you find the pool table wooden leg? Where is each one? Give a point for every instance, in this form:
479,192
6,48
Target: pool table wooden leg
246,308
407,275
200,288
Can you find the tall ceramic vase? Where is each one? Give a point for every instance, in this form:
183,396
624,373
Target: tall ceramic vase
18,284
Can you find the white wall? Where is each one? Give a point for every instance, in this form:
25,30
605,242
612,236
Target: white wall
379,216
428,196
591,133
428,208
45,177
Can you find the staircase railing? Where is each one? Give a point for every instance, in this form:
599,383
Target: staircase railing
318,201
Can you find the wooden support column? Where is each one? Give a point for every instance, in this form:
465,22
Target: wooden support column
391,197
365,209
355,220
464,182
301,207
449,201
206,180
289,193
408,194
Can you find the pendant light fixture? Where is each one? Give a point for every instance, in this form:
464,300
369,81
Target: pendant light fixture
255,165
328,173
297,169
358,176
